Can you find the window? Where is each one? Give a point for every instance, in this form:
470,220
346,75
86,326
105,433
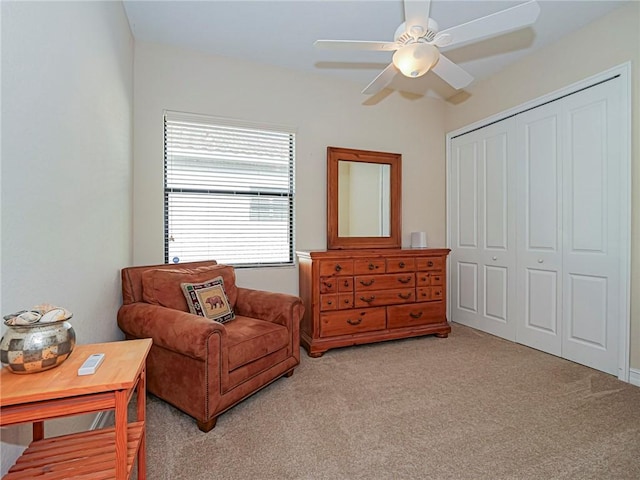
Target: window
228,191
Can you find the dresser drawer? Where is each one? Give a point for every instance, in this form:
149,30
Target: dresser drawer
430,263
345,300
415,314
376,298
336,267
365,266
345,284
329,284
328,302
396,265
381,282
424,279
429,294
334,301
352,321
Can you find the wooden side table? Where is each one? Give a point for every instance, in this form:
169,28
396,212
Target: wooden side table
99,454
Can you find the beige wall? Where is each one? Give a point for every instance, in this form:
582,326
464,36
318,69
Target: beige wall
325,112
67,97
608,42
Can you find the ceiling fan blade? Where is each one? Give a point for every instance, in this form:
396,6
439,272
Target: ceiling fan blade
356,45
381,81
416,16
494,24
451,73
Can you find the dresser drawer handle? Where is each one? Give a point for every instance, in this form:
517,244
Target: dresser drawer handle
346,283
367,284
338,268
330,302
415,315
347,301
406,296
437,292
354,322
429,263
401,264
368,300
328,285
405,280
372,266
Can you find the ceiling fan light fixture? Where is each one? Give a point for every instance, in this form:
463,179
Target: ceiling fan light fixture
415,59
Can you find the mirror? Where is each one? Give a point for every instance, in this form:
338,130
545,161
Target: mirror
364,204
363,199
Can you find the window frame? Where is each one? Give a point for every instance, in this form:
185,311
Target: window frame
223,122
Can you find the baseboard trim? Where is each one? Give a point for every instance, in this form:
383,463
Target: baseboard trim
634,377
102,420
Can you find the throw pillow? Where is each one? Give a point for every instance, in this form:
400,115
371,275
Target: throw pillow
208,299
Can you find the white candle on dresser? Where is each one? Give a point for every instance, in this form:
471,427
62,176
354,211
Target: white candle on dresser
418,239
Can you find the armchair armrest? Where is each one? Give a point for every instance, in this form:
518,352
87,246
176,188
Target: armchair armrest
274,307
181,332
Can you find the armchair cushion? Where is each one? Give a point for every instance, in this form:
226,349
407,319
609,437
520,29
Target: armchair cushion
162,286
208,299
250,339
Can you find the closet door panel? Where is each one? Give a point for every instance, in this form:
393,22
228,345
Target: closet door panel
538,230
498,233
483,230
541,167
591,247
540,312
467,167
496,280
465,262
467,287
496,207
587,310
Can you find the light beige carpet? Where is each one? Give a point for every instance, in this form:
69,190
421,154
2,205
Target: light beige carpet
471,406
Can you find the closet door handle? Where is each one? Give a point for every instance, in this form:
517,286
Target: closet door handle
494,258
540,260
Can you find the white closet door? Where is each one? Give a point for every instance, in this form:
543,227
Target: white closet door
538,222
591,205
539,228
483,230
568,232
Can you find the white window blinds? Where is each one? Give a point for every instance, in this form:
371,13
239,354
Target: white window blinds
228,191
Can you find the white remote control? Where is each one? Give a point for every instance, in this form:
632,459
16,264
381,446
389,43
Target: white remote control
91,364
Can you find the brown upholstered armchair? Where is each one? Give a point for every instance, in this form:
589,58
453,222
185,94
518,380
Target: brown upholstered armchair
200,366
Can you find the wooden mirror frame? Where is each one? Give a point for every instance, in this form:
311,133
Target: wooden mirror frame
334,241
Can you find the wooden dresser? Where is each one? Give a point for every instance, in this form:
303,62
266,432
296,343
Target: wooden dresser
353,297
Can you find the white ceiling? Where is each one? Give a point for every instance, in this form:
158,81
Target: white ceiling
282,32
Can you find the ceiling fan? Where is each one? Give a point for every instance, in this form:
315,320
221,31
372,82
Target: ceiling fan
417,41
